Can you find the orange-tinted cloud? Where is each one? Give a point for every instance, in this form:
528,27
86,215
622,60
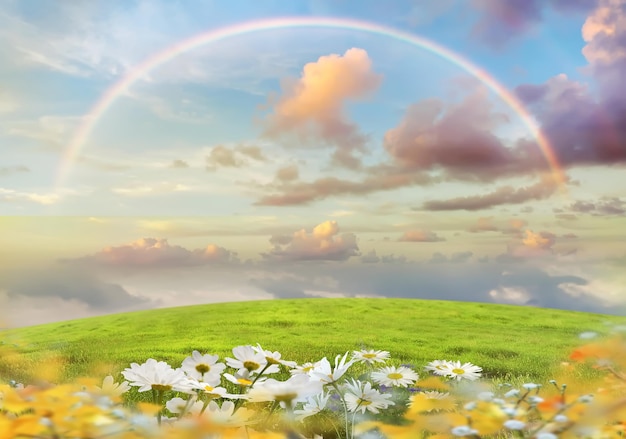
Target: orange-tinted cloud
323,243
420,236
512,226
312,107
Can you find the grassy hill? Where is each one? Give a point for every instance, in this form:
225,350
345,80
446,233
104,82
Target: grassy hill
507,341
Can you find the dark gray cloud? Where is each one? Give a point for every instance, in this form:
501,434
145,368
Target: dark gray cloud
503,281
71,284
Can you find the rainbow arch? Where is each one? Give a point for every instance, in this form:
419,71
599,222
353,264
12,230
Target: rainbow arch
106,100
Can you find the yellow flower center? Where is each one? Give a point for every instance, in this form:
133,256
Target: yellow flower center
394,376
203,368
251,365
244,382
161,387
307,369
364,402
458,371
271,360
369,356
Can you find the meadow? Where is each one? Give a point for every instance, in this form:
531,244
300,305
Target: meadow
510,343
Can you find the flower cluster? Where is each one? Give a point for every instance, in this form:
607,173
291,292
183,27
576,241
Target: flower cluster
256,393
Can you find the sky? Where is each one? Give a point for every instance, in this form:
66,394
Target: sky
158,153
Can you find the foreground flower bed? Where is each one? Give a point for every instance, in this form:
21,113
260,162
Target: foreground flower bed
241,397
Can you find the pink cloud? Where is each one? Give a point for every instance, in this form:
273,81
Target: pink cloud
420,236
323,243
152,252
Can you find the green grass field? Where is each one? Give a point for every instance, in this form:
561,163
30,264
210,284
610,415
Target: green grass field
508,342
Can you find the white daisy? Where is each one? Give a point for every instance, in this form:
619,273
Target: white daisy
274,357
286,393
467,371
246,358
304,369
203,367
370,356
157,375
361,396
111,388
438,367
313,406
395,376
325,374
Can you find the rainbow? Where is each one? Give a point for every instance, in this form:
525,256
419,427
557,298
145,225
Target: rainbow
107,99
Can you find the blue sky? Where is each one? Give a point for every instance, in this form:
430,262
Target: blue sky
311,162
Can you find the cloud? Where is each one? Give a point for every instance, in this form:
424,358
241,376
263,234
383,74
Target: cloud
455,258
179,164
512,226
543,240
142,189
73,286
605,206
288,173
503,21
420,236
372,258
222,156
323,243
457,139
44,199
149,253
532,244
9,170
587,128
486,282
502,195
381,178
311,108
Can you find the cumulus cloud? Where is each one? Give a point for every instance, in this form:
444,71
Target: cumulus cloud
420,236
323,243
503,21
457,139
311,108
532,244
587,128
235,157
150,253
